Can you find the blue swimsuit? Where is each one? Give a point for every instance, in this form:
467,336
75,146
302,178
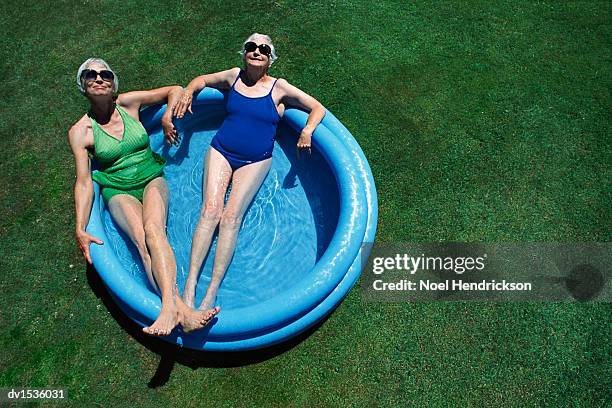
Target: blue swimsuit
247,133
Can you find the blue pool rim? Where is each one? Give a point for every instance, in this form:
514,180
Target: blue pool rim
308,301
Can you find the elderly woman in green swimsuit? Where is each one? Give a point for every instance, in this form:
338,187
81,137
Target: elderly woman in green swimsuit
131,181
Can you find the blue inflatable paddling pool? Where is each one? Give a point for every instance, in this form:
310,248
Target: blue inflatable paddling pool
299,251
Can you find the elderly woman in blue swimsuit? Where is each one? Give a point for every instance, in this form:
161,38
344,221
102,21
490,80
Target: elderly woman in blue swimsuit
240,152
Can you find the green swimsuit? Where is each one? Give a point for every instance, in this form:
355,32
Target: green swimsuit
126,165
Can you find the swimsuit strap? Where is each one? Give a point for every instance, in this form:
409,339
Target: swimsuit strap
236,80
271,89
126,117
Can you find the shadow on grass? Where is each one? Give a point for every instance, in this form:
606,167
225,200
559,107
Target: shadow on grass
171,354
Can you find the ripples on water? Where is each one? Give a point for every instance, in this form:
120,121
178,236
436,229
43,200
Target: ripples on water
284,232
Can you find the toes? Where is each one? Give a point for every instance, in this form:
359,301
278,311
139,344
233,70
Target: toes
154,330
213,312
209,315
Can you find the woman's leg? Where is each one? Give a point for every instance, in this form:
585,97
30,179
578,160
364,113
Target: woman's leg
127,213
245,183
163,265
216,177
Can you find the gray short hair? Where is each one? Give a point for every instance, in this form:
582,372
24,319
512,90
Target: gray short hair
273,56
87,63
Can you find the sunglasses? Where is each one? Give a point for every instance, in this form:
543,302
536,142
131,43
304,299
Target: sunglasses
92,75
263,48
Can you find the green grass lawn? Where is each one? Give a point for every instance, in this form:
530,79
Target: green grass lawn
482,121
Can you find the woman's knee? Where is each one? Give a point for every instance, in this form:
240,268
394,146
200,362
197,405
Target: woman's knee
211,213
153,231
231,218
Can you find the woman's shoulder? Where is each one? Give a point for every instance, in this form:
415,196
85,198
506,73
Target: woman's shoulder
81,125
79,130
280,84
232,73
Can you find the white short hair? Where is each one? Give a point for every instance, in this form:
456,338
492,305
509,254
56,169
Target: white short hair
273,56
86,64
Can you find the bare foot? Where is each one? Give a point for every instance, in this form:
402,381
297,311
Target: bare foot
166,321
198,319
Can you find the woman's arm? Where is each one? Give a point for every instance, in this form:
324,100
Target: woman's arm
83,188
218,80
132,101
291,95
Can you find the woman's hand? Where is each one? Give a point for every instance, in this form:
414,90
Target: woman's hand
84,239
304,142
184,104
170,134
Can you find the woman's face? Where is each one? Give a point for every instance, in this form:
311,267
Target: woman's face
97,81
257,53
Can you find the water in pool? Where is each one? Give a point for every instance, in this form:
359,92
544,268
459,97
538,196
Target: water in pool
284,232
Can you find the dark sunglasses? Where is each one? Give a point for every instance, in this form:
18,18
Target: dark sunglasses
263,48
92,75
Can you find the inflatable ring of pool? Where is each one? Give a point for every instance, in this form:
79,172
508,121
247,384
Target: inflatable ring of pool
301,247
